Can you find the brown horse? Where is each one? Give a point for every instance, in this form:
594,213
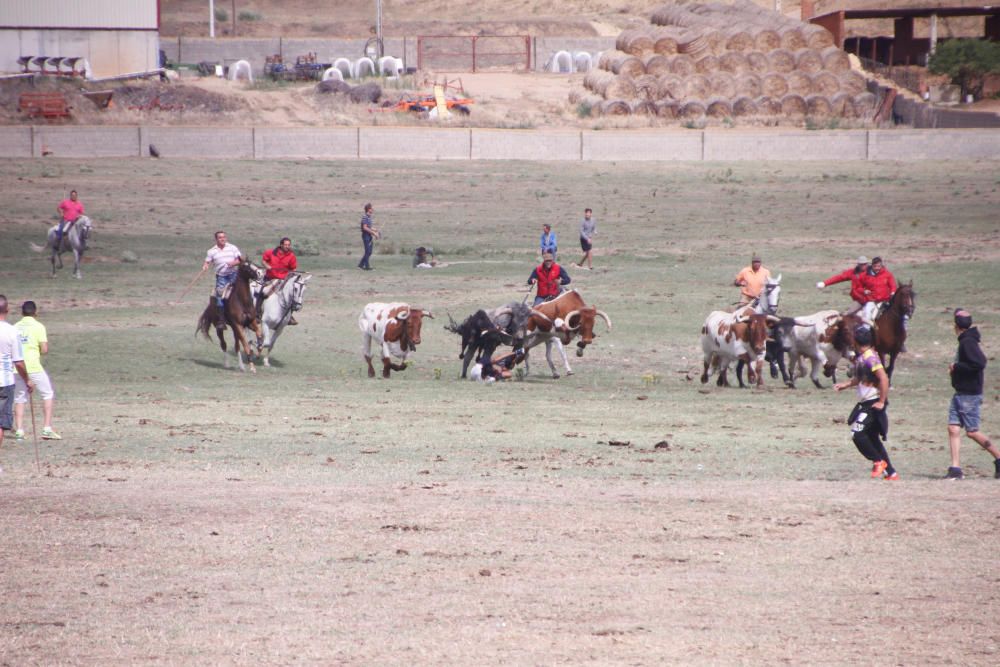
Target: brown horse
239,313
890,328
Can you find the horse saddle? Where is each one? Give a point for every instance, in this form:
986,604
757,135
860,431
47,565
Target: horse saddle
223,293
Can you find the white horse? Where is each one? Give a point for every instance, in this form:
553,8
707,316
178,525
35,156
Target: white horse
74,238
278,308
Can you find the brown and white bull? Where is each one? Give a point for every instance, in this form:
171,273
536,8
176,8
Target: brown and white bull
558,322
726,337
396,328
824,338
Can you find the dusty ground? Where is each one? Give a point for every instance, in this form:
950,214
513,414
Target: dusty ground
194,515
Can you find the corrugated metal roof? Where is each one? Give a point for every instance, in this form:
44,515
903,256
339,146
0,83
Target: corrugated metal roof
129,14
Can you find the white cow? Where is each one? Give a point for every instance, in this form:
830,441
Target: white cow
396,328
824,338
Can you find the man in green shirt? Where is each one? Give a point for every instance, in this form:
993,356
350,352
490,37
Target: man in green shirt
34,343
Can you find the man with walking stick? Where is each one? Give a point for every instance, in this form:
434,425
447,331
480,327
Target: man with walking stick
11,362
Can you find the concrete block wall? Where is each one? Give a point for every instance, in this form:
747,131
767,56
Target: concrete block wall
402,143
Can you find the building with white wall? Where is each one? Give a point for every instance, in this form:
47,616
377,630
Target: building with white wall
115,36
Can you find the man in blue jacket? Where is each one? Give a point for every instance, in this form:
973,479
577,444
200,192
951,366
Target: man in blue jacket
548,242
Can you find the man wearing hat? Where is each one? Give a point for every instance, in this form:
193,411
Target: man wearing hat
857,286
550,277
751,280
967,380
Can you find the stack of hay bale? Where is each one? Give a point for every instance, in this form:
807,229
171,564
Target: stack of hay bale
725,61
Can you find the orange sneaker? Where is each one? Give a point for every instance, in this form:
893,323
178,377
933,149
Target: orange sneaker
878,469
894,477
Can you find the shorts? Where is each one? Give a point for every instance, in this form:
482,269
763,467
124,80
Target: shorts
43,387
7,407
585,245
964,411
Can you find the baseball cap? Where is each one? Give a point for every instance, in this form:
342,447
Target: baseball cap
862,259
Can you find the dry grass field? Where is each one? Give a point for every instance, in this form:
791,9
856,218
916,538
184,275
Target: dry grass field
193,514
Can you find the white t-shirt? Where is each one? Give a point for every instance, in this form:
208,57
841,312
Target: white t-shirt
221,257
10,351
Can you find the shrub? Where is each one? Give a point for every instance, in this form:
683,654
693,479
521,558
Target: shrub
967,62
221,15
247,15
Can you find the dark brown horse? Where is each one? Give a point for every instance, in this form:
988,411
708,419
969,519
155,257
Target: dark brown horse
239,313
890,328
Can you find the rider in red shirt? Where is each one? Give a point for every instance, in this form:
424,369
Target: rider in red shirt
69,211
856,276
879,285
279,262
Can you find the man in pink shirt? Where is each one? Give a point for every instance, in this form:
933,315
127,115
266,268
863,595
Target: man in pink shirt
69,210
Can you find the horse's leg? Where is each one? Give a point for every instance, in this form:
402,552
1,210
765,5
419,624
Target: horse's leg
221,333
242,346
52,260
891,365
76,265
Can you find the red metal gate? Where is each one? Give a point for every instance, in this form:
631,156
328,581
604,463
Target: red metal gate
474,53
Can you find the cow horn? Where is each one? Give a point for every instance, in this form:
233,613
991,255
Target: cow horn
773,319
832,319
568,317
604,316
403,314
541,315
428,314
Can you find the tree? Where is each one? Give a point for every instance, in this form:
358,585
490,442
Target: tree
967,62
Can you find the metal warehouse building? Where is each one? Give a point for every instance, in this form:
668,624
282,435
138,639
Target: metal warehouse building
115,36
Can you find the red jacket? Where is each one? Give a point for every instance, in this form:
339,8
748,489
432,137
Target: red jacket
857,286
281,263
879,287
548,281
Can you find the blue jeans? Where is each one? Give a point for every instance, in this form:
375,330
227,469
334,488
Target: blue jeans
964,411
220,284
363,264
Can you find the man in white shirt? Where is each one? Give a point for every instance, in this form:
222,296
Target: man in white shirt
11,362
224,257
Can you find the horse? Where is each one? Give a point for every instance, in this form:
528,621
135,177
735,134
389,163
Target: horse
277,308
890,326
766,303
74,238
239,313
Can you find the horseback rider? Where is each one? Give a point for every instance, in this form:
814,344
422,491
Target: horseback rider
70,211
280,261
550,277
751,280
855,275
879,285
225,258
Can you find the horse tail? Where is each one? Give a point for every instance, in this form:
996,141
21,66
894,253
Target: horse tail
37,248
205,323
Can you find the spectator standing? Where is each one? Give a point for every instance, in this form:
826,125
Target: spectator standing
34,343
548,242
368,234
11,364
588,226
967,380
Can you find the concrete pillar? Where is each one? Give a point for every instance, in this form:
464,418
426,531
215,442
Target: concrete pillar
933,44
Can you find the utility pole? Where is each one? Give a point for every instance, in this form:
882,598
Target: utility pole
211,18
234,18
378,28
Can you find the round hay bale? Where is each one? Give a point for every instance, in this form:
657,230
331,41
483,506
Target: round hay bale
799,83
672,15
604,60
707,64
665,40
733,62
657,65
825,83
719,108
692,110
643,108
722,84
768,106
852,82
818,106
615,108
864,105
682,65
369,92
637,42
597,80
609,86
670,87
757,62
749,85
696,46
646,86
697,87
835,60
716,41
774,85
627,65
333,86
808,61
840,103
817,37
792,38
744,106
781,60
793,105
666,109
739,40
766,39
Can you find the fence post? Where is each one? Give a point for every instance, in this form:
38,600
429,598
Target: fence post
474,39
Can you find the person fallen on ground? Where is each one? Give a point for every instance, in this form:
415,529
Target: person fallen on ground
858,296
548,243
879,285
224,257
588,227
550,278
751,280
423,258
279,261
966,404
11,364
499,367
368,236
869,420
34,343
70,211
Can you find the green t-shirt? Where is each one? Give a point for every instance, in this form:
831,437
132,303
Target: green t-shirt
32,333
